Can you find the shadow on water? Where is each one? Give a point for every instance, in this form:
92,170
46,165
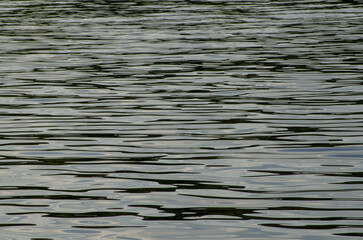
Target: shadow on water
194,119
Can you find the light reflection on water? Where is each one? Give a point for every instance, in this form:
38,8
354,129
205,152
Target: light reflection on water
180,119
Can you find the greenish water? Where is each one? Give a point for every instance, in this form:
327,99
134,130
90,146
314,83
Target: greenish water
181,119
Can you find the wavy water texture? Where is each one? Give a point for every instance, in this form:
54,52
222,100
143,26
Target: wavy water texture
181,119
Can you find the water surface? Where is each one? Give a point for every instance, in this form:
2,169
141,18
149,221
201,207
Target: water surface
195,119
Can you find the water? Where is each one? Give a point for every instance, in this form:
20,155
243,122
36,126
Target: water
198,119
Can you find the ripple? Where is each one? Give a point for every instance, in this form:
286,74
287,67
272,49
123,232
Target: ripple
193,119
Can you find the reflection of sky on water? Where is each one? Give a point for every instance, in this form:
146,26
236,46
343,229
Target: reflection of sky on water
191,119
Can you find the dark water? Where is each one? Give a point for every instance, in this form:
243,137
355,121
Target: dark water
198,119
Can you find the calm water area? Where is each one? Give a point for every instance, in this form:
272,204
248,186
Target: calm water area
181,119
